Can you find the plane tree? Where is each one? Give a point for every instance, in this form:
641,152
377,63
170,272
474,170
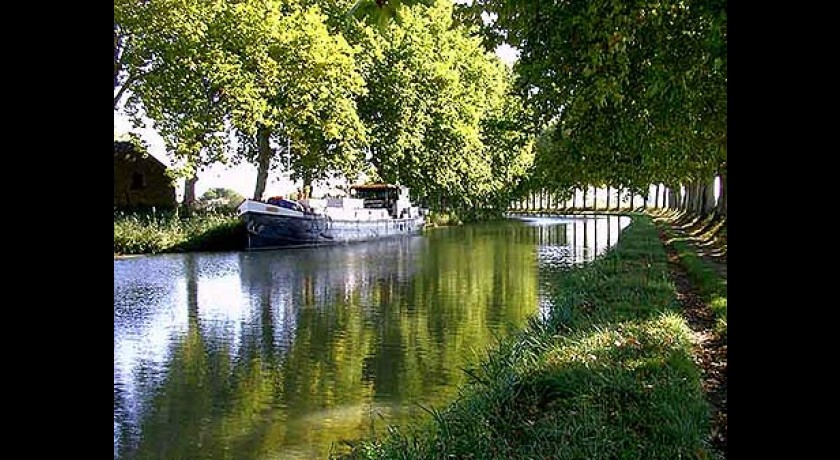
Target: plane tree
293,89
439,110
646,78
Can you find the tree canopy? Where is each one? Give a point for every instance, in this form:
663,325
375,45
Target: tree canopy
442,116
605,92
626,92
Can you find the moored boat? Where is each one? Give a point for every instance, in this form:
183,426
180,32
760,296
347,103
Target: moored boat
372,211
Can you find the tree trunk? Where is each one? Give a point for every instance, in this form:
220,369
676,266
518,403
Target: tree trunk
698,203
721,204
264,160
542,192
656,200
680,197
189,190
608,197
307,187
618,198
645,199
689,197
709,197
585,193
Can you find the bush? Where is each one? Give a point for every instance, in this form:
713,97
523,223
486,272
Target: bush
143,233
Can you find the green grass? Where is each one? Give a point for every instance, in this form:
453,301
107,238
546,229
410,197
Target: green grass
608,374
144,233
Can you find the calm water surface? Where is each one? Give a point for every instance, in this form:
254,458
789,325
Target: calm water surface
284,354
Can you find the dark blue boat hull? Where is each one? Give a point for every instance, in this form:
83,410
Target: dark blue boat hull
273,231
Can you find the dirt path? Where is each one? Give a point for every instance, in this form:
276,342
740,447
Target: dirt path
709,249
711,348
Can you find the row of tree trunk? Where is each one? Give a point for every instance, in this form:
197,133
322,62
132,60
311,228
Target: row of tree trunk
698,198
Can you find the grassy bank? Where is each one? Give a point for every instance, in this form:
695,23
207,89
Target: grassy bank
607,374
144,233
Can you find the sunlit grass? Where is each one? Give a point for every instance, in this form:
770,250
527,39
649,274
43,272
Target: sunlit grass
607,374
143,233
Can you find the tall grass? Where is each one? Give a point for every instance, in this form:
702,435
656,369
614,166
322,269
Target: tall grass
143,233
607,374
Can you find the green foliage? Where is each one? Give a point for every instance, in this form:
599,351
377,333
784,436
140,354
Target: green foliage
626,93
291,83
608,374
173,72
380,13
168,232
442,118
442,219
220,199
210,69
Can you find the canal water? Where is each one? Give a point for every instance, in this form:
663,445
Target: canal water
286,354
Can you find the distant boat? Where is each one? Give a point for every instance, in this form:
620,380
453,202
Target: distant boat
372,211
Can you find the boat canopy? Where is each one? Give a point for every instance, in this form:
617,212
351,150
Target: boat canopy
373,186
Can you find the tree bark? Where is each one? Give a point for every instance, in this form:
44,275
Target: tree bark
678,197
608,197
656,199
709,197
189,190
689,197
698,203
585,193
721,204
697,194
264,160
618,198
307,186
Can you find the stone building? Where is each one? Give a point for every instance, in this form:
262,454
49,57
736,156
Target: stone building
140,180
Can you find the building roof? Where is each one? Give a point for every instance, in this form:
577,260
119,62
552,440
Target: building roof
130,152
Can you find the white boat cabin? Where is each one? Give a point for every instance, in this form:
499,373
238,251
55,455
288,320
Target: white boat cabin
368,202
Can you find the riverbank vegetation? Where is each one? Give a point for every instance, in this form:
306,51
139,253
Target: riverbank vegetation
155,232
608,373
